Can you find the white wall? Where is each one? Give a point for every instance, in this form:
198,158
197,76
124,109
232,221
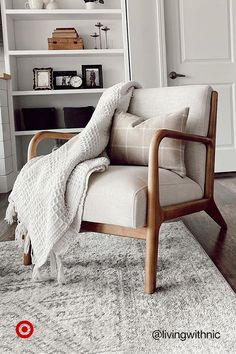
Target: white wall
144,42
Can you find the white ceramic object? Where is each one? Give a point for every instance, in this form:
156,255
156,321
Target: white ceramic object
90,5
34,4
52,5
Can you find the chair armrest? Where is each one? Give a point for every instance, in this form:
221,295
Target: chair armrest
153,171
32,149
166,133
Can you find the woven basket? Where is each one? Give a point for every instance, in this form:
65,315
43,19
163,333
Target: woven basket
65,43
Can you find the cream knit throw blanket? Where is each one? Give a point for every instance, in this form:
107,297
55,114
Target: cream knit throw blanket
49,193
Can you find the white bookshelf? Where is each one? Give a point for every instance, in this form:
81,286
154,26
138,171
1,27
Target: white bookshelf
25,42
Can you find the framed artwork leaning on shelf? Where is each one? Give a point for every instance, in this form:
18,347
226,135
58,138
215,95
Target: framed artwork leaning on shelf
62,80
92,76
43,78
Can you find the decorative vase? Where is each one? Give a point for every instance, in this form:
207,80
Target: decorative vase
52,5
90,5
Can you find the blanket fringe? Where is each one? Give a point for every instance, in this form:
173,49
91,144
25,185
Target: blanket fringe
53,264
21,235
10,213
57,269
27,244
37,276
60,271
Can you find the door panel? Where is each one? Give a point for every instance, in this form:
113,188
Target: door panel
200,41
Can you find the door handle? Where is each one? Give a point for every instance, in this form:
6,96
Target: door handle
173,75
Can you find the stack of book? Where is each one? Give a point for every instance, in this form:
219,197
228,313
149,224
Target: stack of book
65,33
65,38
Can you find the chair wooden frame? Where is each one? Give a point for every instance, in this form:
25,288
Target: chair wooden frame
156,214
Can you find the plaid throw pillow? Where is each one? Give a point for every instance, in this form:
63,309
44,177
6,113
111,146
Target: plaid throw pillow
131,137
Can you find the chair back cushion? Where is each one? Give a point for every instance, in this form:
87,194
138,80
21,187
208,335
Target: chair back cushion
131,137
148,103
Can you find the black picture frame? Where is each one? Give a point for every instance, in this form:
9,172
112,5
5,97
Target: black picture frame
63,77
43,79
97,76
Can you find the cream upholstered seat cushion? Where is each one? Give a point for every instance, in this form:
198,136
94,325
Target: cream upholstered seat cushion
118,196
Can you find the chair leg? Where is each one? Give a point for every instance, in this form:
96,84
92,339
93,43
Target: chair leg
151,260
27,258
213,211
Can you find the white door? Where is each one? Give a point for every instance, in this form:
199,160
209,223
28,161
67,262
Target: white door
201,44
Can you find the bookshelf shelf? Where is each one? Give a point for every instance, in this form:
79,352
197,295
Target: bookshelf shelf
63,14
53,53
33,132
57,92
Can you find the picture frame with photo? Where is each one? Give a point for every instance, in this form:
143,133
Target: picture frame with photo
92,76
62,79
43,79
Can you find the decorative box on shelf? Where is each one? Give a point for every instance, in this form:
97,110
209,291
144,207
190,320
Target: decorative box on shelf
65,43
65,38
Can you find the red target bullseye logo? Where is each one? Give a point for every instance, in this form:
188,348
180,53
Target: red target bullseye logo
24,329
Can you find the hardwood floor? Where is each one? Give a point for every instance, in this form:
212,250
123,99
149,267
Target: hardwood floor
220,247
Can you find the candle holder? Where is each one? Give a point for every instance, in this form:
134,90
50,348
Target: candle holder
106,29
99,25
95,36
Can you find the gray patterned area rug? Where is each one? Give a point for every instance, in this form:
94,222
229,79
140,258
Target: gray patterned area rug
103,309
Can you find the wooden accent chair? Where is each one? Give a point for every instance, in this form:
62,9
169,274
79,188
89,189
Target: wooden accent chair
134,201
